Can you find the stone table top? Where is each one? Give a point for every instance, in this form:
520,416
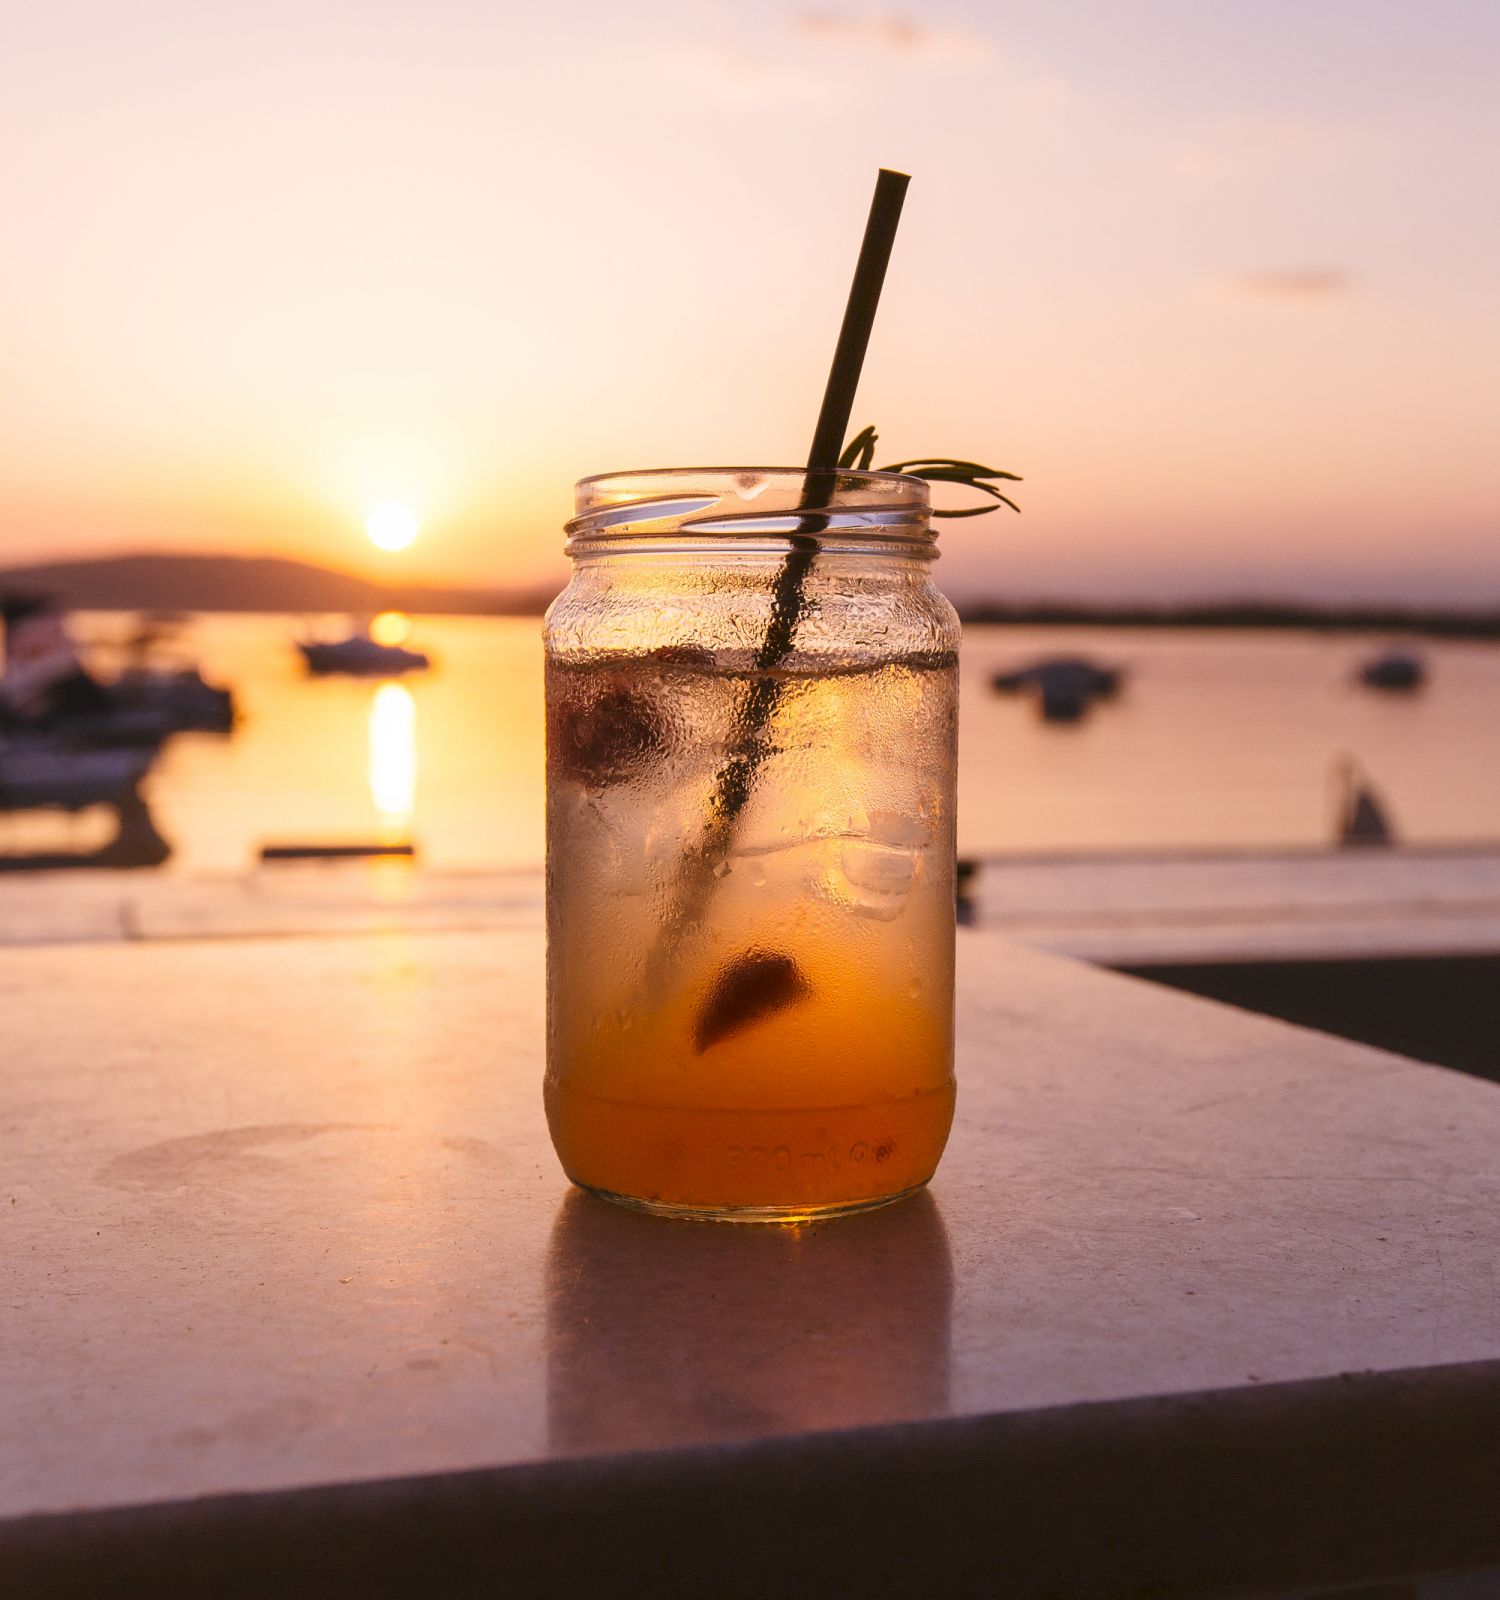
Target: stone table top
278,1214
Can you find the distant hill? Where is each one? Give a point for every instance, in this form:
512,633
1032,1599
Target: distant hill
246,583
272,583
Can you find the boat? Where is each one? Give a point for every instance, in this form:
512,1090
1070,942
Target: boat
361,656
143,707
40,774
46,688
1363,820
1396,670
1066,687
181,697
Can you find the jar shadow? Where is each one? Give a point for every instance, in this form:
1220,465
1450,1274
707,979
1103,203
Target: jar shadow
663,1333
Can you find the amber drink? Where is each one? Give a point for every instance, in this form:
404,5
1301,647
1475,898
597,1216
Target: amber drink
750,848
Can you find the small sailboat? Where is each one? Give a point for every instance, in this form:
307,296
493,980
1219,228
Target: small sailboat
1363,818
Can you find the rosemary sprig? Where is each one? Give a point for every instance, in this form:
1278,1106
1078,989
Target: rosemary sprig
859,453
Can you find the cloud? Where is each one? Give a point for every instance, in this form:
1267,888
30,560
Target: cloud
1296,283
892,34
828,58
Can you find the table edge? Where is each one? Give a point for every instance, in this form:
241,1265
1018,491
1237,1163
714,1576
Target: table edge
1353,1479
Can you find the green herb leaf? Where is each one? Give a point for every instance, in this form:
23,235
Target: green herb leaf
860,452
970,469
972,511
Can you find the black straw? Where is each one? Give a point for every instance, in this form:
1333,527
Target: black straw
736,776
859,318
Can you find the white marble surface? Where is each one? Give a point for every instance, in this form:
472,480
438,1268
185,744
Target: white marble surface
283,1212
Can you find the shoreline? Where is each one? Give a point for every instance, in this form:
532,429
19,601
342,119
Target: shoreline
275,586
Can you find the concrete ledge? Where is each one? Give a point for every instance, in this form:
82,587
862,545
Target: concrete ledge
1355,1480
1153,909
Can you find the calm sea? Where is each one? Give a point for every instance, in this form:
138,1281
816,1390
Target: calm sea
1219,739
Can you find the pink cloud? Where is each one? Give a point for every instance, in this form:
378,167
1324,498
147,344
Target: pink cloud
1297,283
894,34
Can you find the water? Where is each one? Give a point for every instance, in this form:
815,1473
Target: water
1219,739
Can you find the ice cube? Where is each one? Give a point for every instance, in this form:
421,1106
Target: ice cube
872,879
899,830
872,875
771,830
637,844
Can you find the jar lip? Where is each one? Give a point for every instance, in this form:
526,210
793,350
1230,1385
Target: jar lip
779,472
775,507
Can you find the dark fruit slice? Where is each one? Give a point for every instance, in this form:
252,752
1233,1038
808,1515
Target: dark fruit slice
600,736
751,988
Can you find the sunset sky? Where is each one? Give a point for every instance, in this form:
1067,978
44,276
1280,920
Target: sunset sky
1220,280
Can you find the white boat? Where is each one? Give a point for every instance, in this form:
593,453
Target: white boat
360,656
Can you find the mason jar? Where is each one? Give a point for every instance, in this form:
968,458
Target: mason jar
751,753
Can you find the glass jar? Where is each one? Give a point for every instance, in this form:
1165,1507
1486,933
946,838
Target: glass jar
751,754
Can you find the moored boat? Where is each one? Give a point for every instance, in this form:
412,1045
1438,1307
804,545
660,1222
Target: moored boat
39,774
361,656
1398,670
1065,686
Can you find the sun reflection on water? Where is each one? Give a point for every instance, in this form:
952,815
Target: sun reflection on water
393,757
390,627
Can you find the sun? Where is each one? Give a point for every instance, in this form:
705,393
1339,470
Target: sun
392,525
